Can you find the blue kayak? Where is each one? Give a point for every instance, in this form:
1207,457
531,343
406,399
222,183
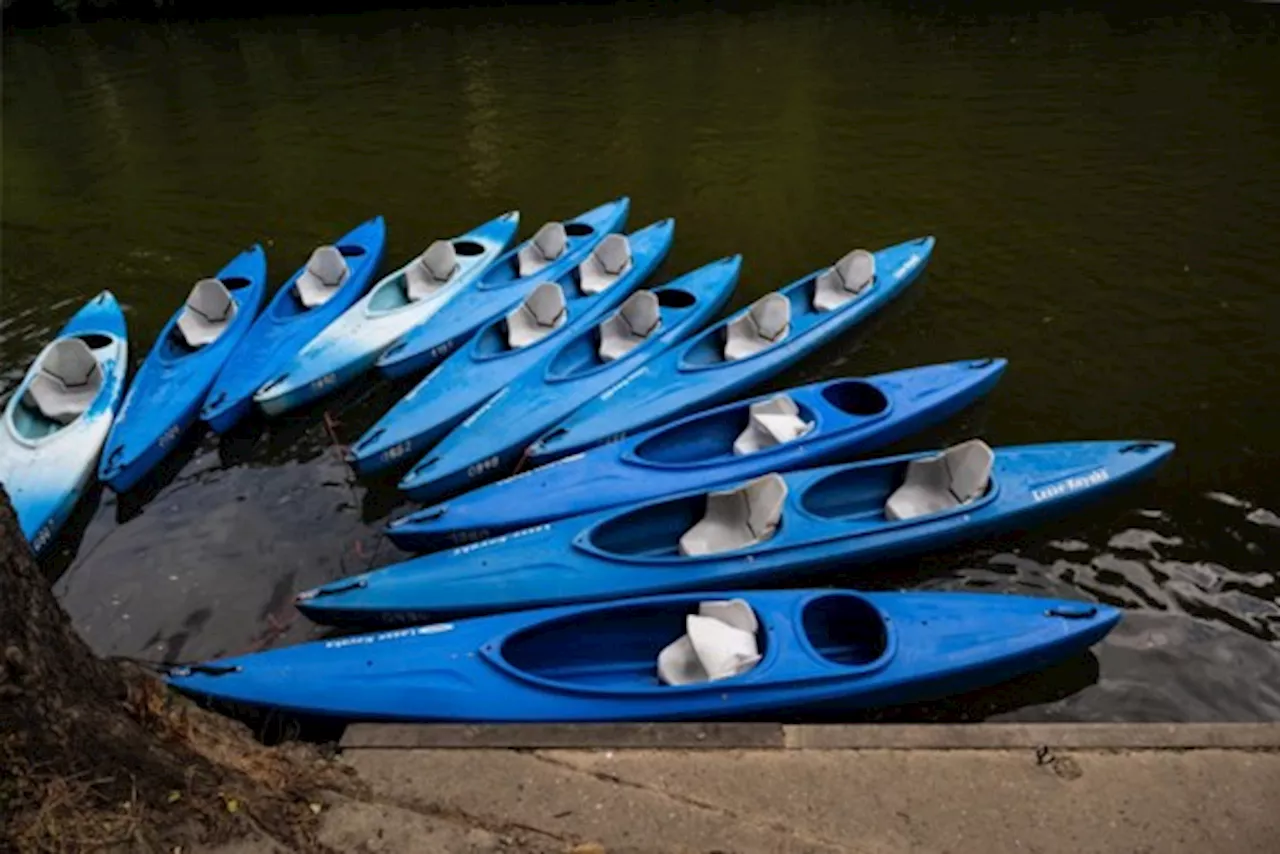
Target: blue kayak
399,302
490,442
508,346
844,417
56,421
677,657
174,379
765,530
332,279
504,285
754,344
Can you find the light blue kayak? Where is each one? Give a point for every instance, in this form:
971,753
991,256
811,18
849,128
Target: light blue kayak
503,286
834,420
698,656
171,384
489,443
771,529
57,420
507,347
332,279
410,296
754,344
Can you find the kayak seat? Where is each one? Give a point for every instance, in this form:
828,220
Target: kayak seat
207,314
844,280
432,271
630,326
957,476
771,422
720,642
548,244
67,382
605,265
764,324
326,271
737,518
535,318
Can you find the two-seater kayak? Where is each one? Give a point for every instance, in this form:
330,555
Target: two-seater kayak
410,296
689,656
333,278
796,428
510,345
56,421
553,251
174,380
489,443
752,345
766,530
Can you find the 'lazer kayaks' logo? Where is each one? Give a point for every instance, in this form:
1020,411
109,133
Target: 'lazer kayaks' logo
623,383
573,458
489,404
497,541
358,640
1071,484
907,266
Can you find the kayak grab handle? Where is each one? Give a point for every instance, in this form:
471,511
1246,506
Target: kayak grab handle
275,382
1072,612
330,590
204,669
1139,447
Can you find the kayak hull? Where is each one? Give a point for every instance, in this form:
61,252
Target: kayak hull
497,293
471,376
596,663
492,439
45,475
351,344
848,421
285,327
171,384
695,374
832,517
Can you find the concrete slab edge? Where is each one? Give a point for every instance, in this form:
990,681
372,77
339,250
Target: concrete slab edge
767,736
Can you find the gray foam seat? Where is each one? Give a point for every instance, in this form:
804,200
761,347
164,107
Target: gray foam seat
844,280
956,476
720,642
630,326
607,263
326,271
548,244
209,311
761,326
66,383
771,422
432,271
737,518
542,312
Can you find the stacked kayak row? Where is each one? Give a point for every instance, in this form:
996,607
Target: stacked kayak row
608,576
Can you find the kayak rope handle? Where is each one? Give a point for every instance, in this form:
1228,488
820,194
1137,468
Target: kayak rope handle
1072,613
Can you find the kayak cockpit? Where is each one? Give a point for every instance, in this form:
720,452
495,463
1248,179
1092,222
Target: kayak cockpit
691,643
715,437
638,320
425,276
326,271
861,498
209,312
64,385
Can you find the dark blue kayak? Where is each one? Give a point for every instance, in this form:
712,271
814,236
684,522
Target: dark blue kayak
849,416
508,346
174,379
765,530
682,657
754,344
502,287
489,443
312,298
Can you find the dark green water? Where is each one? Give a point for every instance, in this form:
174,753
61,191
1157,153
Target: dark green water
1104,190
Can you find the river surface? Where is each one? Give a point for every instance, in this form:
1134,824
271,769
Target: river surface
1104,187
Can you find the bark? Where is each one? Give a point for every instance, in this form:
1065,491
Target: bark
94,752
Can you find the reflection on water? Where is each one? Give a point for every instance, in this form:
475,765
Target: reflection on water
1101,183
